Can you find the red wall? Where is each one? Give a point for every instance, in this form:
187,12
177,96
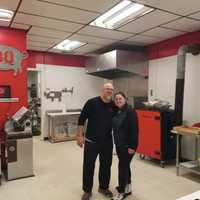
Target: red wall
170,47
36,57
16,39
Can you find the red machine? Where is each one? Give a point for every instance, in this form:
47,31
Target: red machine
155,139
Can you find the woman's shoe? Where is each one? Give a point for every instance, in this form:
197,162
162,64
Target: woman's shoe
128,189
119,196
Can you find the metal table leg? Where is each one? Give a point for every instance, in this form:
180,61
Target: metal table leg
50,128
177,154
196,147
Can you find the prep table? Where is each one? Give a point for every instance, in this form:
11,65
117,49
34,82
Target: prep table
194,165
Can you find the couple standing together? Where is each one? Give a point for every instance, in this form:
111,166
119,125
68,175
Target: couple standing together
104,116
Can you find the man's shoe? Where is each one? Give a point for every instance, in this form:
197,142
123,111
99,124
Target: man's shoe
119,196
105,192
128,189
86,196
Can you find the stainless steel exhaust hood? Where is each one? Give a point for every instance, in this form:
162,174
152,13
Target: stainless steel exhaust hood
118,63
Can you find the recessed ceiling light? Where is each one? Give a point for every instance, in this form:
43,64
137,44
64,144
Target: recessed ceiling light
120,14
68,45
5,15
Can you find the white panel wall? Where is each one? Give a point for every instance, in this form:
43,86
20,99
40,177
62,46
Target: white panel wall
162,80
192,94
56,78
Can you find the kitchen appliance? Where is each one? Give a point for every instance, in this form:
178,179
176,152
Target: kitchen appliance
19,145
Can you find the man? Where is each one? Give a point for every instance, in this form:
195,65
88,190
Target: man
97,140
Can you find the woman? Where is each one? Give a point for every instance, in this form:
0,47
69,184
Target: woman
125,132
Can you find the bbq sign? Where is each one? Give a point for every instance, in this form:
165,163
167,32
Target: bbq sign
11,58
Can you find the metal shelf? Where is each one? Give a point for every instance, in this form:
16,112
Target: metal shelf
192,166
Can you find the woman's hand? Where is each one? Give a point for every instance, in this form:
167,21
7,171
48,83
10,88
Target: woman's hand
131,151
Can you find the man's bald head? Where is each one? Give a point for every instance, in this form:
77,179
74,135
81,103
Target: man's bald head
108,85
107,92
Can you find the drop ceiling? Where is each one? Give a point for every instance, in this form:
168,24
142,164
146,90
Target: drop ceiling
49,22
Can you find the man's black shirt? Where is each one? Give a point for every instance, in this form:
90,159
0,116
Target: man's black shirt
99,115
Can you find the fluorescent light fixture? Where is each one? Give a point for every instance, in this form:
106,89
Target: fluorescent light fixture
121,13
5,15
68,45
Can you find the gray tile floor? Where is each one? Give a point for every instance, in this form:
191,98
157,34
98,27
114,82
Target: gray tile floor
58,171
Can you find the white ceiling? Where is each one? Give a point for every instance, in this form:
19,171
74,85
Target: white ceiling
48,22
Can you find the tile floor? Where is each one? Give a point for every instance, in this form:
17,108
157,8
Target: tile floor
58,173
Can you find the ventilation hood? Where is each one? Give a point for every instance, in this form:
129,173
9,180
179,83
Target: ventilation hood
118,63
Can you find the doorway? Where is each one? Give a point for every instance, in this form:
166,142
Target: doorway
34,100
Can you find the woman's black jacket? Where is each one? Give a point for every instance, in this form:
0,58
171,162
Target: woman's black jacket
125,127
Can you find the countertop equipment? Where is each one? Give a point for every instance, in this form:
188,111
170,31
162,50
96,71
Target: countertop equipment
19,145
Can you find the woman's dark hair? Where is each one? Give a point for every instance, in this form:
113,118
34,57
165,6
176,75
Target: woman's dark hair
120,93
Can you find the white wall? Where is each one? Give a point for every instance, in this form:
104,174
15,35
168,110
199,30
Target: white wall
192,94
58,77
162,80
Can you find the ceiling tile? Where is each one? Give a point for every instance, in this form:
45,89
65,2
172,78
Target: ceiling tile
39,44
84,49
182,7
9,4
57,11
104,33
42,39
163,33
61,52
184,24
4,23
135,43
148,21
91,54
20,26
88,48
79,53
36,48
195,16
48,32
97,6
55,50
46,22
142,39
50,43
91,39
